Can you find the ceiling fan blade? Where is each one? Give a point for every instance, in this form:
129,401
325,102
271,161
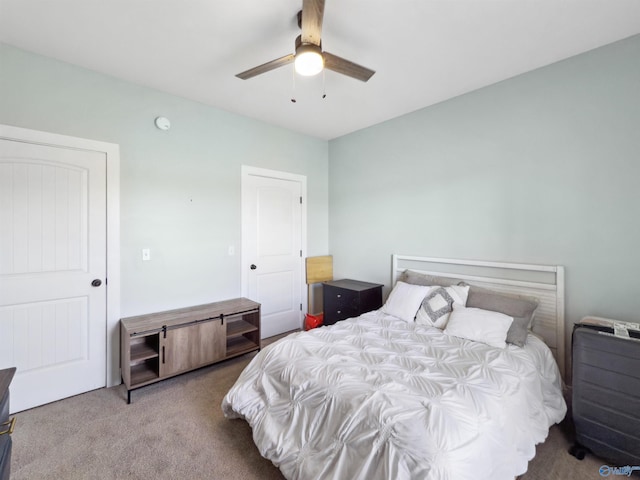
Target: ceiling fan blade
265,67
346,67
311,24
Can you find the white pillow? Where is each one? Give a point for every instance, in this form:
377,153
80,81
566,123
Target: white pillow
479,325
438,304
404,301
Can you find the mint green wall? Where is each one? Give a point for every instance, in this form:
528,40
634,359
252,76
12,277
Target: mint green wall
542,168
180,190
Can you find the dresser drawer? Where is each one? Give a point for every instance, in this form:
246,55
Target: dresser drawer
340,298
6,376
339,304
349,298
4,408
5,456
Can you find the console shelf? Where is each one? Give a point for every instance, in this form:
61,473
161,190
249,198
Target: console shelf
238,345
160,345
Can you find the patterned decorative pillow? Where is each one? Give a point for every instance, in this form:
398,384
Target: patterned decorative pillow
438,304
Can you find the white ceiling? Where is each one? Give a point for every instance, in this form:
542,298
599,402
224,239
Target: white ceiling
423,51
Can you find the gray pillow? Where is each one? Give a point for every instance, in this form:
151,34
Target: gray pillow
521,308
415,278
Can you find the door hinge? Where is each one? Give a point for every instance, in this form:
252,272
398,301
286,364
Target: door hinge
300,253
300,307
300,200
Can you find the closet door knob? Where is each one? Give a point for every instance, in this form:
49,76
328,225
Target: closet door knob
253,267
96,283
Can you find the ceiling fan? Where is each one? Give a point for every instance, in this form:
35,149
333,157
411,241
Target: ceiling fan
309,59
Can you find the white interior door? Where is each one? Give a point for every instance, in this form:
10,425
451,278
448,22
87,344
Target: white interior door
52,247
272,245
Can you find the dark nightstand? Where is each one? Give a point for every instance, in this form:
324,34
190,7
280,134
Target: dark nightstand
349,298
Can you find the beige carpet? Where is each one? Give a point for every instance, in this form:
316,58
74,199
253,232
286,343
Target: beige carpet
175,430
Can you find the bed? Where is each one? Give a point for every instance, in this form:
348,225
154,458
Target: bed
388,395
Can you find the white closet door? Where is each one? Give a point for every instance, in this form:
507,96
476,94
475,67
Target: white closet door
272,250
52,247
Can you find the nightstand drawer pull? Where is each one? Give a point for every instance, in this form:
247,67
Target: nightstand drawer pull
11,423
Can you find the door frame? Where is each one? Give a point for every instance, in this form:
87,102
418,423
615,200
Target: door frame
112,281
247,171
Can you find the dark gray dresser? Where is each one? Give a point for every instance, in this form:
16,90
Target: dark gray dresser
6,425
349,298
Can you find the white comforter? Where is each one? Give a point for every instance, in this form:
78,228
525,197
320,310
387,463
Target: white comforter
378,398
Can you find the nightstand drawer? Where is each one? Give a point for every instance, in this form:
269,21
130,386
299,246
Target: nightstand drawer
339,304
339,297
349,298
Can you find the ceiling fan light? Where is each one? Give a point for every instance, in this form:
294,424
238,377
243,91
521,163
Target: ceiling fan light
308,61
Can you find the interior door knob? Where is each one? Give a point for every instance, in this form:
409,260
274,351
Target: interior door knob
253,267
96,283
